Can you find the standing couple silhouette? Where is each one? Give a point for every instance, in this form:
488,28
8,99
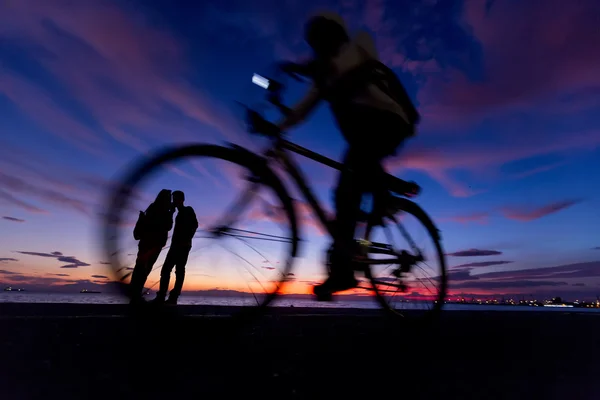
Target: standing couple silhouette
152,231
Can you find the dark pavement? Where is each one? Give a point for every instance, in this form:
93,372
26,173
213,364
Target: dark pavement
95,351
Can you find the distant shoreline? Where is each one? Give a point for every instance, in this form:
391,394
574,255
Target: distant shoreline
50,310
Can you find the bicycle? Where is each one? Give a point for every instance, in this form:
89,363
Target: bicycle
260,176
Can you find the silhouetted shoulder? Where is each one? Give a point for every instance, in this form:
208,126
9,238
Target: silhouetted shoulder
189,209
188,212
150,208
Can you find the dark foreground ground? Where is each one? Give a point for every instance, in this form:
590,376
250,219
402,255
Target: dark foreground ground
86,351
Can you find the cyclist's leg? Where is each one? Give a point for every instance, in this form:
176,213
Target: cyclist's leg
348,195
353,182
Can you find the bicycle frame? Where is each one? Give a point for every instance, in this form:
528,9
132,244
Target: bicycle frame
297,176
278,153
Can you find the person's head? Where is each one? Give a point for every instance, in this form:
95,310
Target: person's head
163,199
178,198
325,34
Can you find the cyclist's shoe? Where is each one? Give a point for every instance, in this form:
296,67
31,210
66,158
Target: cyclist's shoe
332,285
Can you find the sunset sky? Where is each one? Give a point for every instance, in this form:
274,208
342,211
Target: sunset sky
507,152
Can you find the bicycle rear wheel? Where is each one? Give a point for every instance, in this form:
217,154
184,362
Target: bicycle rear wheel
417,291
224,237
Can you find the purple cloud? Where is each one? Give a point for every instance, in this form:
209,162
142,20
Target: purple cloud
6,259
480,218
461,275
6,272
514,281
72,262
16,185
100,276
487,285
33,253
13,219
529,214
474,253
11,199
482,264
578,270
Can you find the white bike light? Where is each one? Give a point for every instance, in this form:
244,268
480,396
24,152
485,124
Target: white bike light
260,81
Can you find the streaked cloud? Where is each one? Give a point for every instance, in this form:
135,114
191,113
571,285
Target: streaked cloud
72,262
532,213
13,219
474,253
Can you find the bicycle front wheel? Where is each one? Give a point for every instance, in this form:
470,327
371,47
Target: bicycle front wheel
245,245
413,284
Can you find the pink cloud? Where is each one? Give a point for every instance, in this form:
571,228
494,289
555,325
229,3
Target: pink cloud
532,58
49,196
304,215
45,111
530,53
33,181
538,170
481,218
8,198
147,66
477,158
530,214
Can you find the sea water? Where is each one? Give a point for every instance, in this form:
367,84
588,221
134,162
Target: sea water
369,303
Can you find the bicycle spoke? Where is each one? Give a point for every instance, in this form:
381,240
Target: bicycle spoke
253,266
257,252
238,206
257,238
258,233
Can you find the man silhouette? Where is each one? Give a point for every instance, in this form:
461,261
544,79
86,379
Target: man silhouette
181,244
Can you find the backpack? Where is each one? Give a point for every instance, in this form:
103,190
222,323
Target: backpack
388,82
372,71
140,226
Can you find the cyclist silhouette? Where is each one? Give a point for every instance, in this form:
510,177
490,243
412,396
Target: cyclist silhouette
374,115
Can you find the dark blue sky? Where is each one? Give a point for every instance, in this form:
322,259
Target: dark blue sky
507,152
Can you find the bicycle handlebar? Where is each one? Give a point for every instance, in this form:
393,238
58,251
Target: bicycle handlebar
259,125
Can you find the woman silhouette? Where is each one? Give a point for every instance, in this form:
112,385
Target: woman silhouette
158,221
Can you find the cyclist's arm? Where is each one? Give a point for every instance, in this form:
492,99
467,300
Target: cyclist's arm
302,109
